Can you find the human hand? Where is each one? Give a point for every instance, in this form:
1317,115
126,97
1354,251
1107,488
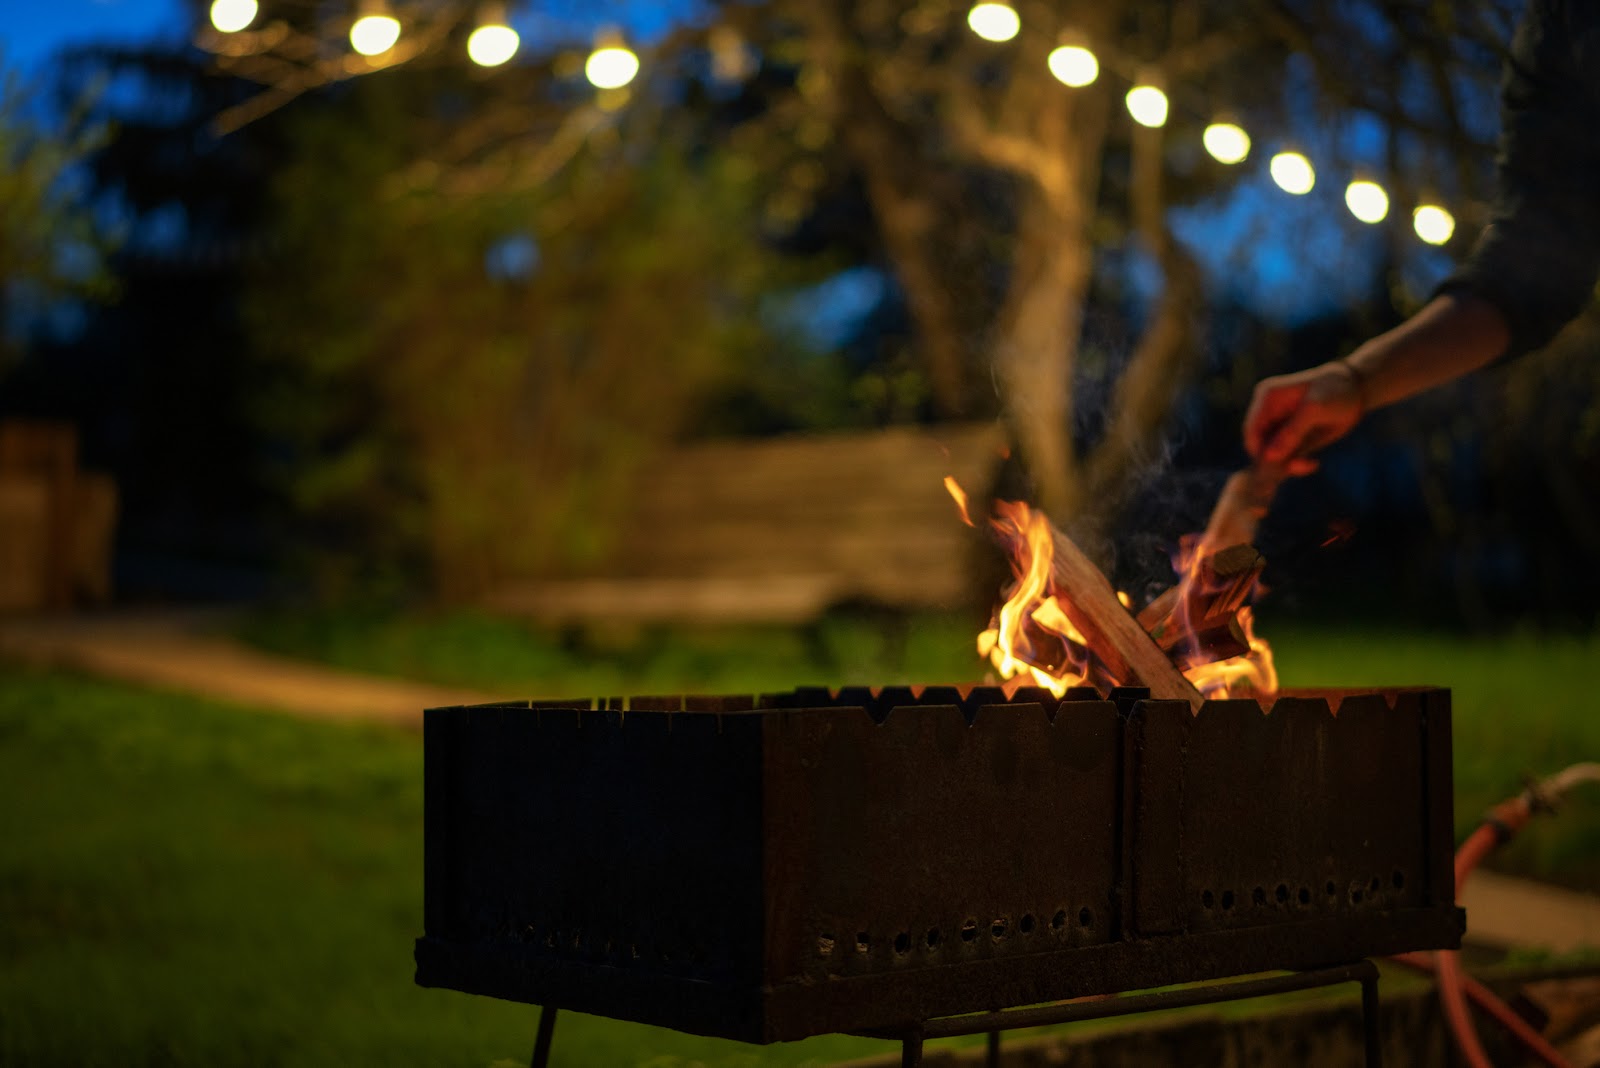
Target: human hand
1293,416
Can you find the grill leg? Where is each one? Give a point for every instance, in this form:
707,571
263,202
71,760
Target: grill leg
541,1044
992,1056
911,1050
1369,1017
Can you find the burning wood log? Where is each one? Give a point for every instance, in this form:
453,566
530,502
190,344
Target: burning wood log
1201,613
1062,622
1109,630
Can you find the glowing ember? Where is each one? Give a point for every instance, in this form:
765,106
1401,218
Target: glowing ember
960,496
1339,531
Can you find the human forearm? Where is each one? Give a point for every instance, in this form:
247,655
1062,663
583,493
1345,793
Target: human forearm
1292,416
1455,334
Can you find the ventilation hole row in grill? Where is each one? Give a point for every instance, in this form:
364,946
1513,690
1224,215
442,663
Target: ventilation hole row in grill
566,941
1282,895
999,930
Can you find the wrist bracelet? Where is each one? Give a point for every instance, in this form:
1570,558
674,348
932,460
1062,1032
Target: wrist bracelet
1358,380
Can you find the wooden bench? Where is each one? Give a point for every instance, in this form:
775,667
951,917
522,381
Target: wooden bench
782,529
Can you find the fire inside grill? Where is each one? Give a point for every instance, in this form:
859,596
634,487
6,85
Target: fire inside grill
871,859
1059,627
776,867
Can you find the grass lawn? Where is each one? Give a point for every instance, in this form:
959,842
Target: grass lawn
185,883
504,656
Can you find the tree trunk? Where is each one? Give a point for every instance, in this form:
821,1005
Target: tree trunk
898,188
1035,351
906,220
1040,326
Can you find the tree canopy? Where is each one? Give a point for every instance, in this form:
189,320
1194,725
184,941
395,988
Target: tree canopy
473,281
50,245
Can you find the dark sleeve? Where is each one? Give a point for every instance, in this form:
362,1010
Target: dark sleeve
1538,258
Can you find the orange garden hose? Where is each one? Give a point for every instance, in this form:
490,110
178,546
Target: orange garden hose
1485,999
1455,988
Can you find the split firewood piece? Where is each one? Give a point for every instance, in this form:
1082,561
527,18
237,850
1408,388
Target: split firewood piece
1110,630
1240,507
1223,641
1211,598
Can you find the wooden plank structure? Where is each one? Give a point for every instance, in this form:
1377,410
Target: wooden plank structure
56,520
781,529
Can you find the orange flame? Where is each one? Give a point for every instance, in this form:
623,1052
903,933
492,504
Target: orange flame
1031,640
1252,673
1249,673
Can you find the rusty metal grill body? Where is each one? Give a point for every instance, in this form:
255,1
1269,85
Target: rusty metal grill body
768,869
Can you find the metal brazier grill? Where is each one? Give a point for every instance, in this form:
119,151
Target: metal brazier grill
772,868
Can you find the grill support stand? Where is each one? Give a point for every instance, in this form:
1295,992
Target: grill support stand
541,1043
911,1038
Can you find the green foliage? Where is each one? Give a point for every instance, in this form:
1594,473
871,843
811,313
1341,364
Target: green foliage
50,246
484,428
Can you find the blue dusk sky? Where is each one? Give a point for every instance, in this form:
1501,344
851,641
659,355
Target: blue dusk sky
32,30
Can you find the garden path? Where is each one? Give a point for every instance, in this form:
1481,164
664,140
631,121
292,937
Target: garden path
183,651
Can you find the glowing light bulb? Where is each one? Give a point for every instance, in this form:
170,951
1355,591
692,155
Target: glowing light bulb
1293,173
611,67
1226,142
1433,224
1147,105
231,16
492,44
994,21
373,35
1367,201
1074,65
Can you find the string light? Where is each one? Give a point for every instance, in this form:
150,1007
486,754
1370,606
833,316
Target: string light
376,31
231,16
1433,224
611,66
493,42
1293,173
1148,105
1074,65
994,21
1366,200
1226,141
